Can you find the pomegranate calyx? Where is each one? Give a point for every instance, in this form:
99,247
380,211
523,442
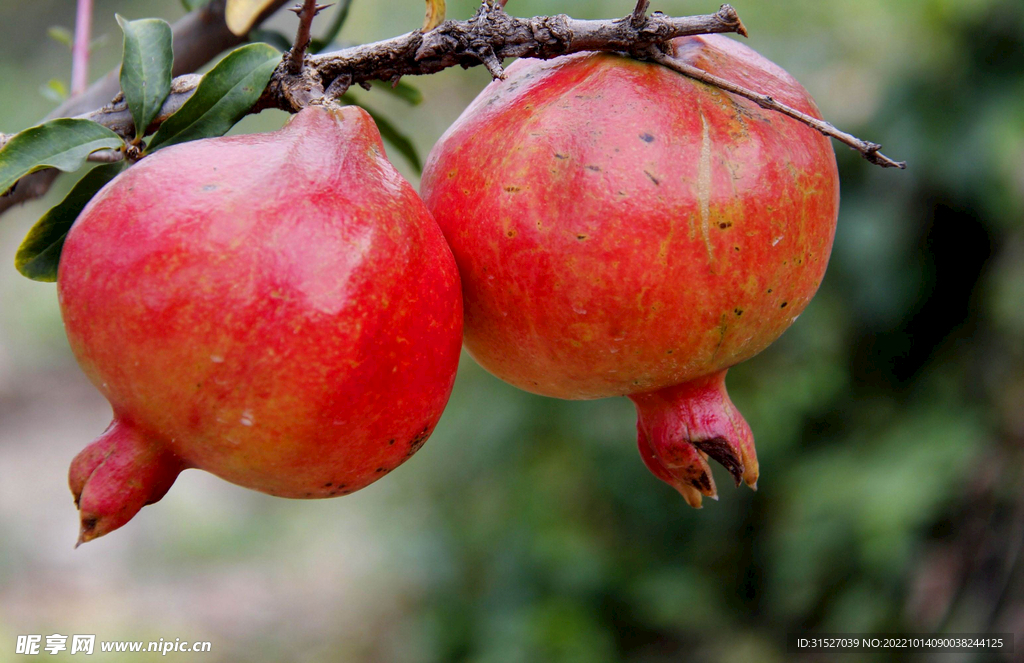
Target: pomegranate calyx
117,475
680,427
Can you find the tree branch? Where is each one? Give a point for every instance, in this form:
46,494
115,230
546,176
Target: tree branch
490,35
869,151
487,38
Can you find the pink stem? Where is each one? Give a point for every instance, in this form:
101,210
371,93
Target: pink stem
80,49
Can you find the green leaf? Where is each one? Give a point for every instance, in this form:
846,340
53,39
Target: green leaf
392,135
223,97
99,42
54,90
39,255
61,36
145,68
403,91
64,144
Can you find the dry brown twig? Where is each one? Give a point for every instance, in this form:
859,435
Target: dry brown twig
487,38
870,151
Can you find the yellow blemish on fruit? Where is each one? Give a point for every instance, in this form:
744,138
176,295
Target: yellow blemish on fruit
704,183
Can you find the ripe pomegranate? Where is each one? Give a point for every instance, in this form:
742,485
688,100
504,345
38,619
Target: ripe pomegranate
621,229
278,309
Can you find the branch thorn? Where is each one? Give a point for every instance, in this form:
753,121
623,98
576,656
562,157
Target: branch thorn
639,13
491,62
306,12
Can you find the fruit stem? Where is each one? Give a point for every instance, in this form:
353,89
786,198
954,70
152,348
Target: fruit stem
680,427
118,474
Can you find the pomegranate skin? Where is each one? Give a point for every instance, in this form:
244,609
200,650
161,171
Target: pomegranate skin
621,229
277,309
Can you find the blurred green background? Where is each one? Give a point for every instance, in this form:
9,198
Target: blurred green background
889,420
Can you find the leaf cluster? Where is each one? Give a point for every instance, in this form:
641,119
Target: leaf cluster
223,97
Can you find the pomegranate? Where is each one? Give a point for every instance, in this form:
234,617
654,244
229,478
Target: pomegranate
278,309
621,229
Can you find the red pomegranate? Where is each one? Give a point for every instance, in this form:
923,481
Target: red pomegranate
621,229
277,309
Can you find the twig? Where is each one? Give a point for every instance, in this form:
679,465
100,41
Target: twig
869,151
306,13
81,47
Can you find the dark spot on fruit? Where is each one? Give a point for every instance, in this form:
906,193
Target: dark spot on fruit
328,484
736,248
738,311
581,237
596,169
725,224
391,441
784,304
88,525
652,178
670,352
769,291
511,188
647,138
417,441
511,232
379,470
561,156
309,494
